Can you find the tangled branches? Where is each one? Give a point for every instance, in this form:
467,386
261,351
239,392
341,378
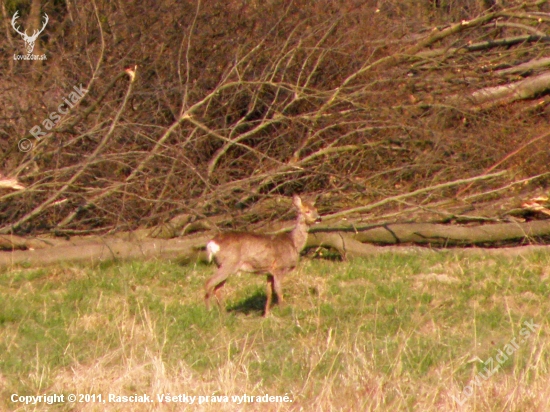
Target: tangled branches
238,105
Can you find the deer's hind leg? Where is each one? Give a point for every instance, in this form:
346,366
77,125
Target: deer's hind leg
215,283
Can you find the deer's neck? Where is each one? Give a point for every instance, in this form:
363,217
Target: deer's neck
299,233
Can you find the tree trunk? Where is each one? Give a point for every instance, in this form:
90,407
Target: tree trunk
350,242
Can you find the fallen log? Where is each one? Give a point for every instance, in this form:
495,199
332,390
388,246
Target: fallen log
96,250
504,94
525,67
442,235
484,45
349,240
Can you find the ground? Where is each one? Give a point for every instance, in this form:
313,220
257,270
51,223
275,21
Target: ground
437,331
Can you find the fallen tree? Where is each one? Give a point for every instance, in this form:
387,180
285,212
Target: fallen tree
347,239
94,250
505,94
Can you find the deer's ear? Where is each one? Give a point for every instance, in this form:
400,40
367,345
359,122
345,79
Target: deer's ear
297,201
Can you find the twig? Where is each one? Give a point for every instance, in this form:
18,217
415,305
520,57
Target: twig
362,209
508,156
37,210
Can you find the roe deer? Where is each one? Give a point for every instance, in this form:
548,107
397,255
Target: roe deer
274,255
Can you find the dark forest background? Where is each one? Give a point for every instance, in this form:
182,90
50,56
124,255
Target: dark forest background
424,110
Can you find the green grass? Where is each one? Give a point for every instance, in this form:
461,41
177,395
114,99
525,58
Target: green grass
395,332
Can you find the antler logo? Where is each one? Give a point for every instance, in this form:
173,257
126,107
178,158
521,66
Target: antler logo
29,40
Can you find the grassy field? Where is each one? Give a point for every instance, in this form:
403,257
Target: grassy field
436,331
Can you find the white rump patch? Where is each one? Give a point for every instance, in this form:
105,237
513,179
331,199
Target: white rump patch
212,248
